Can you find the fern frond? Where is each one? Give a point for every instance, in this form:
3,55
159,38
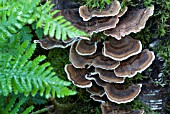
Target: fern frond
18,74
57,27
14,15
14,108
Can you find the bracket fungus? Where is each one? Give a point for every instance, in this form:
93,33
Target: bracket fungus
86,47
118,94
101,99
77,60
135,64
107,72
91,26
97,79
94,25
105,63
132,21
96,90
110,10
121,49
50,43
109,76
96,59
77,76
108,62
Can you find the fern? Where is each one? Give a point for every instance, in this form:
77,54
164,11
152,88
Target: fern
18,74
55,26
14,108
15,14
25,34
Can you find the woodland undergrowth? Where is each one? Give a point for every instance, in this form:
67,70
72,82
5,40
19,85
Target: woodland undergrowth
31,84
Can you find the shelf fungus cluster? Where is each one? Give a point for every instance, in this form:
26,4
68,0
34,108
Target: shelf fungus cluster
101,67
111,20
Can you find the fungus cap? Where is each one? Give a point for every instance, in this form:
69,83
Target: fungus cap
86,47
133,21
50,43
77,76
109,76
94,25
121,49
77,60
97,79
101,99
96,90
135,64
105,63
122,95
111,10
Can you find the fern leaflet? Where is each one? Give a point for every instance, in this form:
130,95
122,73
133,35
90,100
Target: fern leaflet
18,74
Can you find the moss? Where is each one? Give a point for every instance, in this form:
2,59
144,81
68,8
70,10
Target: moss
101,4
59,58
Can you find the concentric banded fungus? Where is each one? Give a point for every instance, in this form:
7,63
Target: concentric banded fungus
91,26
96,60
77,76
121,13
96,79
86,47
121,49
101,99
118,94
96,90
108,76
110,10
111,109
105,63
135,64
133,21
77,60
50,43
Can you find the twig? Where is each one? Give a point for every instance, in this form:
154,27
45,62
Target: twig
43,110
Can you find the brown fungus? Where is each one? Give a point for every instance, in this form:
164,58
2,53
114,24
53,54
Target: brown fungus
77,60
97,60
119,94
121,49
50,43
135,64
109,76
94,25
97,79
110,10
101,99
96,90
77,76
105,63
86,47
133,21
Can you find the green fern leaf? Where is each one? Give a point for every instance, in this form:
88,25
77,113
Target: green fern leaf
18,74
14,108
15,14
58,26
